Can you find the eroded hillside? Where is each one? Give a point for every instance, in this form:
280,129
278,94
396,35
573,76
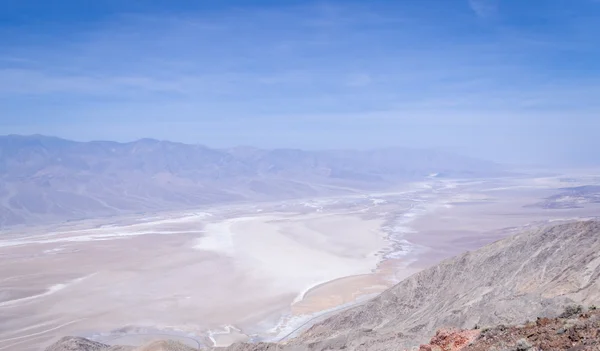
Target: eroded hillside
530,275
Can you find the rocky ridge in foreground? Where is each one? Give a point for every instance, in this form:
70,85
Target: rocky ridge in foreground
530,275
574,330
71,343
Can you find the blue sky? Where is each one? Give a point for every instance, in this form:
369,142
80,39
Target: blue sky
510,80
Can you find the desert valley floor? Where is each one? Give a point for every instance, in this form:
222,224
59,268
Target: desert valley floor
260,271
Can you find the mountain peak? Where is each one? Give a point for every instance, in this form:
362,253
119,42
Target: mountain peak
159,174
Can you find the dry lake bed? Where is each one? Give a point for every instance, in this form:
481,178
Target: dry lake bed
252,271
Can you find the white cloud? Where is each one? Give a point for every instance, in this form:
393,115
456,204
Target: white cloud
29,81
260,77
484,8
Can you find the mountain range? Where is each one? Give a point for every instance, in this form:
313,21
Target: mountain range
44,179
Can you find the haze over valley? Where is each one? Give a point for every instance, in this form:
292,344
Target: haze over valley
297,260
47,179
315,175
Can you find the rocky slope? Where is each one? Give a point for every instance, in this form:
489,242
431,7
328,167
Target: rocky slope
81,344
518,278
534,274
578,331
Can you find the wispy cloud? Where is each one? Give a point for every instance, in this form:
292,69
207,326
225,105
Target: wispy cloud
484,8
34,82
344,73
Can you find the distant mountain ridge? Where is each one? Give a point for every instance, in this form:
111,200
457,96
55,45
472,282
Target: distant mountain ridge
47,178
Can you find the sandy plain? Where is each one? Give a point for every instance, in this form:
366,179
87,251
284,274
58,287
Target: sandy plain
212,275
242,272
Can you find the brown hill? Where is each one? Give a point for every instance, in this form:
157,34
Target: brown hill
579,331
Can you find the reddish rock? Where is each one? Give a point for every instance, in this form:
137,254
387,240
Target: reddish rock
450,340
